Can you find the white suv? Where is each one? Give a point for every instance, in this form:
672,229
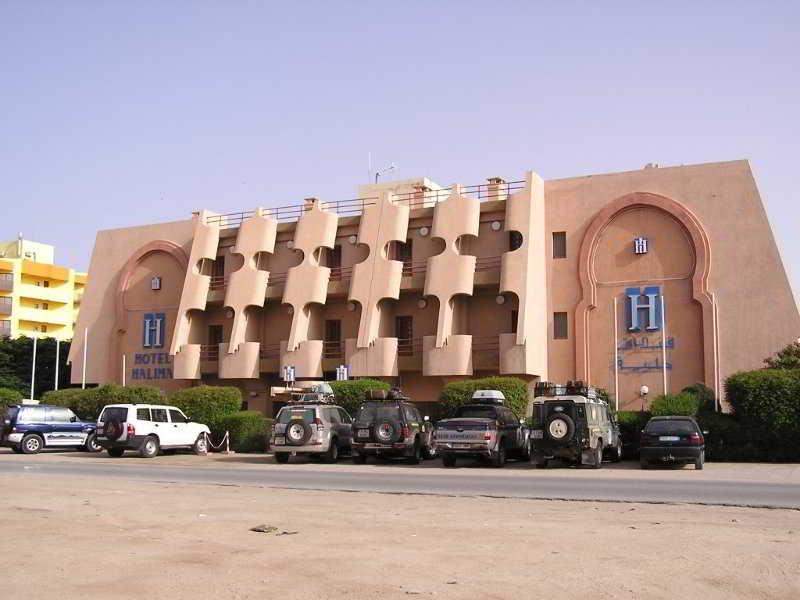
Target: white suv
148,428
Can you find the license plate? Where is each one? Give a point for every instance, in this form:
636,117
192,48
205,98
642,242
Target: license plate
363,433
280,440
669,438
537,434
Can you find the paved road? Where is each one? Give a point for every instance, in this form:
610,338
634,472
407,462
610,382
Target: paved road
731,486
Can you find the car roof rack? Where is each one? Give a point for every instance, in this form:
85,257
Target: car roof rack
312,398
393,395
571,388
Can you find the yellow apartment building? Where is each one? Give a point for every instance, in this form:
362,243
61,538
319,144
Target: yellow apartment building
37,297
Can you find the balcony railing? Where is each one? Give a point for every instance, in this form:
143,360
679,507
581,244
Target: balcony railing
414,267
333,349
409,346
277,278
486,345
488,263
218,282
209,352
341,273
269,351
481,192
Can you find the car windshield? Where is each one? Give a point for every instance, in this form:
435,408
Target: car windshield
287,414
118,413
477,412
677,426
378,412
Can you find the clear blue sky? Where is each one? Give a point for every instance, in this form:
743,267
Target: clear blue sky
121,113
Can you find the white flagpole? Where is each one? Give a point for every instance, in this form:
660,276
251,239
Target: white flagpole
664,342
85,343
123,370
616,359
58,342
33,368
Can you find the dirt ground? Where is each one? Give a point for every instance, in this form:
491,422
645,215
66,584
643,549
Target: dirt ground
78,538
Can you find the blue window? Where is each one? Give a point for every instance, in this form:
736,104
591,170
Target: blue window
154,330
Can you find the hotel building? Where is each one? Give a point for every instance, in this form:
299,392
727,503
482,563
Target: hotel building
661,277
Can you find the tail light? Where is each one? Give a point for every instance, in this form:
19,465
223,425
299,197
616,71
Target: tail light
318,423
405,432
131,430
696,439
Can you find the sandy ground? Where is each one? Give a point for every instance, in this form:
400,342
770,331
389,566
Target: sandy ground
89,539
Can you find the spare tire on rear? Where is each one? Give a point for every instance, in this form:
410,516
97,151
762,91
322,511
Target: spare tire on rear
560,428
387,432
298,432
113,429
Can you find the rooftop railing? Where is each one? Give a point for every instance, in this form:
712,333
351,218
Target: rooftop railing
356,206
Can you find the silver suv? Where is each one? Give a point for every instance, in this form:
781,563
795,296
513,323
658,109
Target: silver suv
311,425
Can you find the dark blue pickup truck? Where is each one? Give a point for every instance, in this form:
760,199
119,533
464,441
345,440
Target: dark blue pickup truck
28,428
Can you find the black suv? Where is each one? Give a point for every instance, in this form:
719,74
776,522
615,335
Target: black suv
389,425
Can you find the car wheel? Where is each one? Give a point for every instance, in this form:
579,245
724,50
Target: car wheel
282,457
360,459
116,452
416,455
200,446
617,456
332,455
541,464
698,464
91,444
598,455
149,447
499,459
449,460
31,444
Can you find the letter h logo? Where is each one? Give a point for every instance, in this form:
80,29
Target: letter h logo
644,308
153,330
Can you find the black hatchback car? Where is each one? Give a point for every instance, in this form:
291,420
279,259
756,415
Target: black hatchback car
672,440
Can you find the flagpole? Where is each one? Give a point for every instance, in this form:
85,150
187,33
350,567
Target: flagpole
85,343
616,359
57,349
123,370
664,342
33,367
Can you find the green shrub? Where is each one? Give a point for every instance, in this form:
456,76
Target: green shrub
706,400
249,431
87,403
458,393
208,404
8,397
12,382
788,358
767,404
729,439
685,404
631,423
351,393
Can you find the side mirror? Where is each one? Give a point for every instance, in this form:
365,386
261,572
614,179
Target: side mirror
426,418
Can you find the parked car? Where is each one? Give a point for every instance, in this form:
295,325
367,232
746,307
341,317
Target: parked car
28,428
311,425
389,425
672,440
148,428
573,423
485,429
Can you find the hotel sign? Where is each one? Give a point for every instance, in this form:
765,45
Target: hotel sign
152,365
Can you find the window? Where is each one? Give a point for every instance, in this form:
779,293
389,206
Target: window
46,284
343,416
559,244
404,252
560,330
142,414
118,413
59,415
218,269
44,329
214,335
514,319
332,346
176,416
404,332
159,415
154,330
333,416
5,328
335,262
155,283
32,414
45,306
514,240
